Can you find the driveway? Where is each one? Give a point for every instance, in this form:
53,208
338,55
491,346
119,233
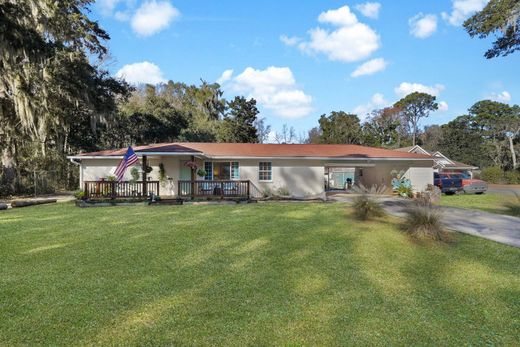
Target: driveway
491,226
504,188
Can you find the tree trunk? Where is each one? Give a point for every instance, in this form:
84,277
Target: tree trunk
8,171
512,149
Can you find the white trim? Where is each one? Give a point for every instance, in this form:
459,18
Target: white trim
419,148
270,171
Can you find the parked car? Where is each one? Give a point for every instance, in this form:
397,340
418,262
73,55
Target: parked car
447,184
470,185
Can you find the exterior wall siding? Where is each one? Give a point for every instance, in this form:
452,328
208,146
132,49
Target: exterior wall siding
301,177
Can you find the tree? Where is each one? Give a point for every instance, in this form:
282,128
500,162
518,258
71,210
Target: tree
500,17
431,137
50,81
340,127
381,128
462,141
239,123
414,107
286,135
500,124
262,130
314,135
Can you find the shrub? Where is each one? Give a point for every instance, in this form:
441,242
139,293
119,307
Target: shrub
512,177
514,205
422,221
492,174
267,192
365,205
79,194
283,191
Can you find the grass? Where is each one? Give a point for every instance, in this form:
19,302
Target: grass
259,274
494,203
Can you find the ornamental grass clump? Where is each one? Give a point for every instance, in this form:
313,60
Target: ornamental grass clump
514,205
366,205
423,221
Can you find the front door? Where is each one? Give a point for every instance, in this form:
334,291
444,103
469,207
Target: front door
185,174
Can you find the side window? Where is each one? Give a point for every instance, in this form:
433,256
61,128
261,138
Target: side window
265,171
208,167
235,170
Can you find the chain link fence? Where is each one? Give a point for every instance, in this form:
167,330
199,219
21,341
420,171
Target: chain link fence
44,182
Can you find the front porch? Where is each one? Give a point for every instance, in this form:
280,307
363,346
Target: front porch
186,190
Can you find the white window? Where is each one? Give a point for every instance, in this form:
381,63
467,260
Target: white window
265,171
235,170
208,167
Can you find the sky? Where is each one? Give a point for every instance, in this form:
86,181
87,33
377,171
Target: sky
302,59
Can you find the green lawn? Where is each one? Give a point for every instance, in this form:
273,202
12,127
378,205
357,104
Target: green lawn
494,203
258,274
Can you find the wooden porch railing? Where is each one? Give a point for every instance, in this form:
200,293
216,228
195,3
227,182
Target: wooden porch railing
214,189
125,189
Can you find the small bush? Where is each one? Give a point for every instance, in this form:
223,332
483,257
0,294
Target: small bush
492,174
512,177
79,194
267,192
366,207
514,205
283,191
422,221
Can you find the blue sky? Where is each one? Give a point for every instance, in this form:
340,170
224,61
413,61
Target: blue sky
298,58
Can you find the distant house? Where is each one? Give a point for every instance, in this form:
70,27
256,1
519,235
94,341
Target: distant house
299,169
441,162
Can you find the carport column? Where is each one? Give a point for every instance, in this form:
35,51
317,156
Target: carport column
144,164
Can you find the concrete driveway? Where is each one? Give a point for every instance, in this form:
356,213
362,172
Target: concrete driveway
491,226
504,188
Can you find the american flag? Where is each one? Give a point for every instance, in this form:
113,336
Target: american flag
129,159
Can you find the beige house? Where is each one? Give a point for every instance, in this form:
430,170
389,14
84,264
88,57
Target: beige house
300,169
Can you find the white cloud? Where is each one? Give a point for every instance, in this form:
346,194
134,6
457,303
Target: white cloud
275,89
504,96
406,88
370,67
349,41
122,16
443,106
153,16
376,102
423,25
290,41
463,9
226,76
143,72
369,9
107,6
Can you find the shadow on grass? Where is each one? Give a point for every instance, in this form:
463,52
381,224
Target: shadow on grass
275,274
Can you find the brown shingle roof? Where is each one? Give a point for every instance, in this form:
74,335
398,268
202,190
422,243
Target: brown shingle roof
266,150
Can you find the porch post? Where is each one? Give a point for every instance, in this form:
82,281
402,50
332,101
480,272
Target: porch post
192,178
144,164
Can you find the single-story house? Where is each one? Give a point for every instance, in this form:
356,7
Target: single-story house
441,162
300,169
